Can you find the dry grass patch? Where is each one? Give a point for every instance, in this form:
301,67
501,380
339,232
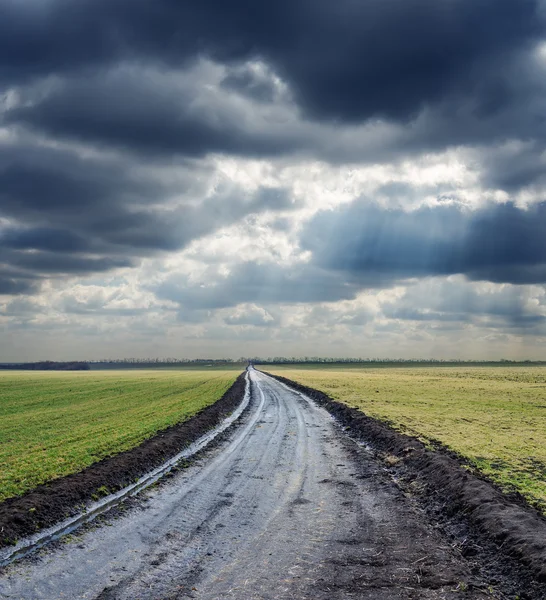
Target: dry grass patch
495,417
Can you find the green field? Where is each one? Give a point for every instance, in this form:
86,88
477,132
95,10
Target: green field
56,423
495,417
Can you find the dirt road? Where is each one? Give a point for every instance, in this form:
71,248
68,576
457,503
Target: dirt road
285,507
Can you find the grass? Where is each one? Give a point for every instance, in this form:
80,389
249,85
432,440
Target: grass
495,417
53,424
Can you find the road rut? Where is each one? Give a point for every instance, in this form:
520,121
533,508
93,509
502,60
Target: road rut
287,506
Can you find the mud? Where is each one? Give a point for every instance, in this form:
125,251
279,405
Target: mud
508,535
50,503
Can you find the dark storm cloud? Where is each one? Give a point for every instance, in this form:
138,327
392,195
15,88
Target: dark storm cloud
499,243
390,58
126,74
511,169
14,281
63,215
13,285
49,262
43,238
37,181
345,60
146,111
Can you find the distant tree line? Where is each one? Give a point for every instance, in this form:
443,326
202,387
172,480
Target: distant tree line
157,363
117,363
162,361
382,361
47,365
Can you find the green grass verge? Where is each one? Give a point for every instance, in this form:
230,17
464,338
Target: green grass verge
53,424
493,417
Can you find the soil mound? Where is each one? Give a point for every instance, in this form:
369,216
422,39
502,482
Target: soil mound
61,498
518,530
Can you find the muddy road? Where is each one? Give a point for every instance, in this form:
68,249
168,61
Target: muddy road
286,506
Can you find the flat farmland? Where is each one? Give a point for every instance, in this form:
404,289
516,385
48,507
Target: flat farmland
53,424
494,417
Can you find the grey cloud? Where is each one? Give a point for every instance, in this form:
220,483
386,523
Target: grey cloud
414,313
124,74
251,282
192,114
48,262
511,169
14,281
98,307
499,243
248,83
332,316
43,238
152,112
251,315
361,246
65,215
165,83
282,224
15,285
155,111
459,301
37,182
21,307
193,316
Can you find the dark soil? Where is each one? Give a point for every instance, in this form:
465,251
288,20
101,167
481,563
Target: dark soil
459,500
61,498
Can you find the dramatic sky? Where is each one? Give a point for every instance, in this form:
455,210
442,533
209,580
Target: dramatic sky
300,177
